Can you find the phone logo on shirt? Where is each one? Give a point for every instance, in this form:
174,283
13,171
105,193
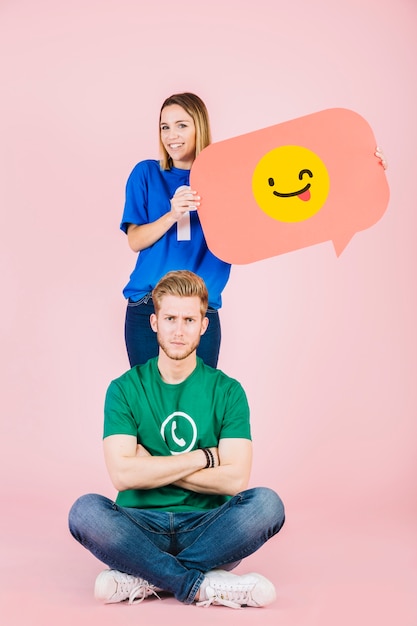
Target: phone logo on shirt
179,432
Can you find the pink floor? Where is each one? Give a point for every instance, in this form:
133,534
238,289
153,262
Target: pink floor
328,572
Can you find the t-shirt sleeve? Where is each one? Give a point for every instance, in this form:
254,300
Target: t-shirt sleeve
136,199
118,417
236,422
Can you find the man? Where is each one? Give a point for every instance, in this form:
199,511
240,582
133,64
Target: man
178,449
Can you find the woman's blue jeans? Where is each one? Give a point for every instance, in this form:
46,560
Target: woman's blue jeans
173,551
141,343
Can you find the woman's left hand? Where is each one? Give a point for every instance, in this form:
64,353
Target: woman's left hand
381,157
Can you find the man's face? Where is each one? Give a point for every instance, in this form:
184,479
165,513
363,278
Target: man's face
179,326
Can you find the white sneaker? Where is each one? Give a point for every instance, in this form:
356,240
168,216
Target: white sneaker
221,587
114,586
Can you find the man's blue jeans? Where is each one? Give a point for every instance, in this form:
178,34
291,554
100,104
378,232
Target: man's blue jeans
173,551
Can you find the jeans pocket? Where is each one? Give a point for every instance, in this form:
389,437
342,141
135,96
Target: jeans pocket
144,300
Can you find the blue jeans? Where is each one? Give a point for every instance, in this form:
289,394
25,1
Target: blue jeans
174,550
141,343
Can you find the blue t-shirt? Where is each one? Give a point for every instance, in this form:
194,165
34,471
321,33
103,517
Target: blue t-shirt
148,193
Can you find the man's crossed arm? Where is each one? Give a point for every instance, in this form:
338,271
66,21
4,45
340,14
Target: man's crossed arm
130,466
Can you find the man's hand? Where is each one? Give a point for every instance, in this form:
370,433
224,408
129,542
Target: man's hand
142,451
230,475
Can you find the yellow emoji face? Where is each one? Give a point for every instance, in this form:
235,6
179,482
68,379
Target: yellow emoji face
290,183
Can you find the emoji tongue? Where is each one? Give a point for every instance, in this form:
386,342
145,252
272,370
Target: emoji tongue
305,195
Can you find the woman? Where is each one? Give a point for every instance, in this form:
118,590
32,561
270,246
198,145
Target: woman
162,225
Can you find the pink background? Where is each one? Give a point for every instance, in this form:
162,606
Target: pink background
325,346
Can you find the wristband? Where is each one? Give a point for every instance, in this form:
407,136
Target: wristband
210,453
208,457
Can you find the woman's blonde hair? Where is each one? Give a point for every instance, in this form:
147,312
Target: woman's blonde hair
197,110
181,283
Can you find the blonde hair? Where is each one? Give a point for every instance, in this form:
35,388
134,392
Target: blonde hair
197,110
181,283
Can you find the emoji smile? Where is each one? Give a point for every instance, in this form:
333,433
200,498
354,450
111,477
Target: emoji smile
290,184
303,194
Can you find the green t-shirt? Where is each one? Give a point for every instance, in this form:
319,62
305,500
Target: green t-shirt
172,419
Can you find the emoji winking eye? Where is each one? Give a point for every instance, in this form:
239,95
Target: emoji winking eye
287,175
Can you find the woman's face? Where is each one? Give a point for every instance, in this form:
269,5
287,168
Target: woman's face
178,135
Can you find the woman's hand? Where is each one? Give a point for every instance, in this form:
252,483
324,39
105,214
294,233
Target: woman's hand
381,156
185,199
145,235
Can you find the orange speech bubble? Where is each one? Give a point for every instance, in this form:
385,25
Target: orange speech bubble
289,186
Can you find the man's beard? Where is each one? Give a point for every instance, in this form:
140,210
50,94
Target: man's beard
177,355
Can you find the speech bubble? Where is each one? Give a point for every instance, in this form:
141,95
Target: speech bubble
282,188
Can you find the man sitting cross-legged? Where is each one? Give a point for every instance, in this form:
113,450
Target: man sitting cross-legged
178,449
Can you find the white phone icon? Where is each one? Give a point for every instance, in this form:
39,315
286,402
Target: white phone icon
178,441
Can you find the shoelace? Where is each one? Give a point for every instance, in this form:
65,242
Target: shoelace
141,591
124,583
233,598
